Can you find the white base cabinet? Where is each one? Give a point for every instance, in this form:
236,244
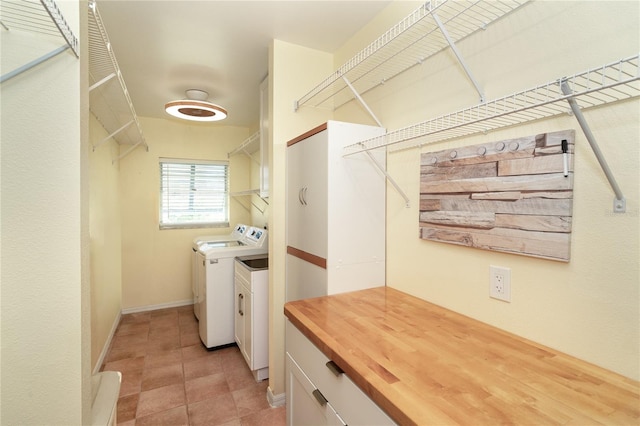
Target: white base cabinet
318,393
251,325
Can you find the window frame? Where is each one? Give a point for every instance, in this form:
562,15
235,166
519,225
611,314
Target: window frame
193,164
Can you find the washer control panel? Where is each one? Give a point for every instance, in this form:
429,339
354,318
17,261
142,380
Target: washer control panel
256,237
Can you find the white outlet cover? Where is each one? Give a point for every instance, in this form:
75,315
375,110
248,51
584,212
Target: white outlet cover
497,290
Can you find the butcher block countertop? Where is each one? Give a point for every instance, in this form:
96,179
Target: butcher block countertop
426,365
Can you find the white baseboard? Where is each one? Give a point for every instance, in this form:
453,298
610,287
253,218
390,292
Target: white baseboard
275,400
105,348
160,306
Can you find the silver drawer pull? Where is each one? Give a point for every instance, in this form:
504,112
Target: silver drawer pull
337,371
320,397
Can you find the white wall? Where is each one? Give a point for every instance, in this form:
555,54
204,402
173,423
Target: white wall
588,307
156,268
45,334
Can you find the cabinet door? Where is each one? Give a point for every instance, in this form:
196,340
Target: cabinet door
307,194
239,317
305,405
247,349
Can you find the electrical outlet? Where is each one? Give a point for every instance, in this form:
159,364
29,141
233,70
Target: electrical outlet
500,283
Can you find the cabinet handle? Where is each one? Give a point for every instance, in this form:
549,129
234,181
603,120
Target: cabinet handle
319,397
304,195
337,371
240,298
300,196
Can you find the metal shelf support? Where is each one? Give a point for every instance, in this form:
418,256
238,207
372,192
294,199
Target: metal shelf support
389,178
371,157
459,56
32,64
619,203
41,17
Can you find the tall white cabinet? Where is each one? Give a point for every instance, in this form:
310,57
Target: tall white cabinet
335,213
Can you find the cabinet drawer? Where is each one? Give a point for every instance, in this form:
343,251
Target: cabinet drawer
351,403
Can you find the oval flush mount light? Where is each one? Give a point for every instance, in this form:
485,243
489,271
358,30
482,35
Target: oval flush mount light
195,107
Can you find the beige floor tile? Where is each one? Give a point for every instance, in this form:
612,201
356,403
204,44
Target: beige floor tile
202,366
251,399
174,417
212,412
170,378
160,399
162,376
239,378
161,359
267,417
127,407
206,387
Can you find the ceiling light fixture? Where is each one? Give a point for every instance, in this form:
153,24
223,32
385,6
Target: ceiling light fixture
195,107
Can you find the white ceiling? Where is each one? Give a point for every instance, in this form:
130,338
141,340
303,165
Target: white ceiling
166,47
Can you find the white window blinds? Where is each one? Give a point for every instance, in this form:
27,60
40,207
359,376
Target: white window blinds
193,194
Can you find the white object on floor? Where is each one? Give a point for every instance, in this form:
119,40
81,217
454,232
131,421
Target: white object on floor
105,389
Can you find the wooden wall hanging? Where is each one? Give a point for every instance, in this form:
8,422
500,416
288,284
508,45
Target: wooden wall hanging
509,196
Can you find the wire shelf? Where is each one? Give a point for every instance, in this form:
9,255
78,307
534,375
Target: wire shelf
611,82
404,46
249,146
41,17
109,98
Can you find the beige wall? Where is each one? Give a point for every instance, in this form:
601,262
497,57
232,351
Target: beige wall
45,329
292,71
156,268
588,307
104,225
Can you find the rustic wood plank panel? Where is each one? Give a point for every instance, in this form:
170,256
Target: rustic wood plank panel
542,164
554,182
429,205
556,248
525,206
510,196
483,220
480,170
505,196
534,222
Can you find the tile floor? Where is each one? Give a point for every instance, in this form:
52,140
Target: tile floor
169,378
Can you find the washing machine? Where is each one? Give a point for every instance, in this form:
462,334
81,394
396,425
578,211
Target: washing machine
210,241
215,285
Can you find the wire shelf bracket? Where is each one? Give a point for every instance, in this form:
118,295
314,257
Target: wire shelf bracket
42,17
248,147
619,202
249,193
110,101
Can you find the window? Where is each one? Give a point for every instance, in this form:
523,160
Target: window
194,194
